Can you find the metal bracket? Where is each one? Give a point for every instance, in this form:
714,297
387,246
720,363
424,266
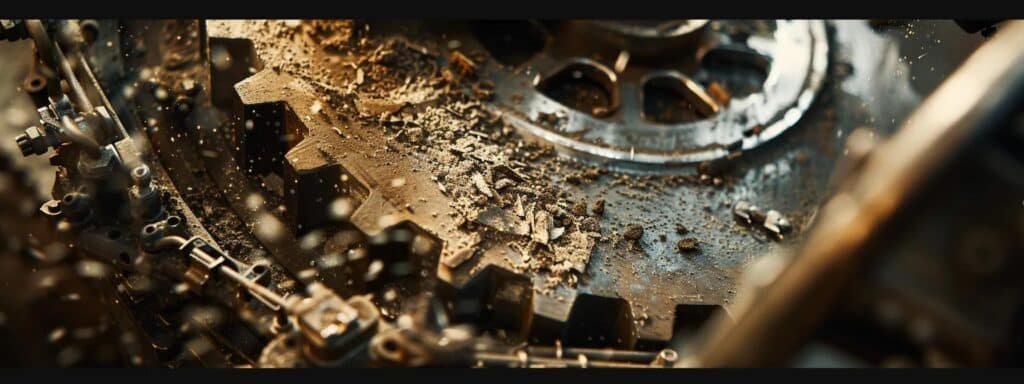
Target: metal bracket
205,258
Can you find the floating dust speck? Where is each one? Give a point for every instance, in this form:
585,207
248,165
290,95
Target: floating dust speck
373,271
254,201
220,57
341,208
311,240
422,245
160,93
621,61
331,260
55,251
204,318
91,269
356,254
306,275
199,346
56,334
69,356
180,288
269,228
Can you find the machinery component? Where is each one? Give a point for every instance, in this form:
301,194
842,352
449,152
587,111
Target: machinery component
145,198
740,85
12,29
332,328
316,142
866,239
339,194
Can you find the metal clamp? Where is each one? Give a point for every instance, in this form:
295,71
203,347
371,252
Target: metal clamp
205,258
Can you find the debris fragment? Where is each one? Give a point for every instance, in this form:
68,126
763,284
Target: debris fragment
541,227
598,208
633,232
579,209
719,93
575,252
481,185
462,253
501,184
681,229
621,61
557,232
463,64
375,107
503,221
773,221
590,224
687,245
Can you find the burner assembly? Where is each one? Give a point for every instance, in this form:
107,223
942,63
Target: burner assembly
343,193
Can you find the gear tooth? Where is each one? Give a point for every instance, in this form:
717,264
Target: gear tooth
686,317
309,177
492,292
600,321
508,297
481,289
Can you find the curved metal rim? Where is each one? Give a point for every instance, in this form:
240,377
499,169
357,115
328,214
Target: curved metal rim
787,117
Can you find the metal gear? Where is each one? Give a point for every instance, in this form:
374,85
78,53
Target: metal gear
693,91
315,148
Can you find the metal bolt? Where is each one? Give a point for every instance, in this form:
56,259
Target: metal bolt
143,179
183,104
145,202
90,30
666,358
24,144
33,142
76,207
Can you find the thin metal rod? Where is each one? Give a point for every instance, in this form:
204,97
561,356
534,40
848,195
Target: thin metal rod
253,287
54,57
81,138
597,353
493,359
169,242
